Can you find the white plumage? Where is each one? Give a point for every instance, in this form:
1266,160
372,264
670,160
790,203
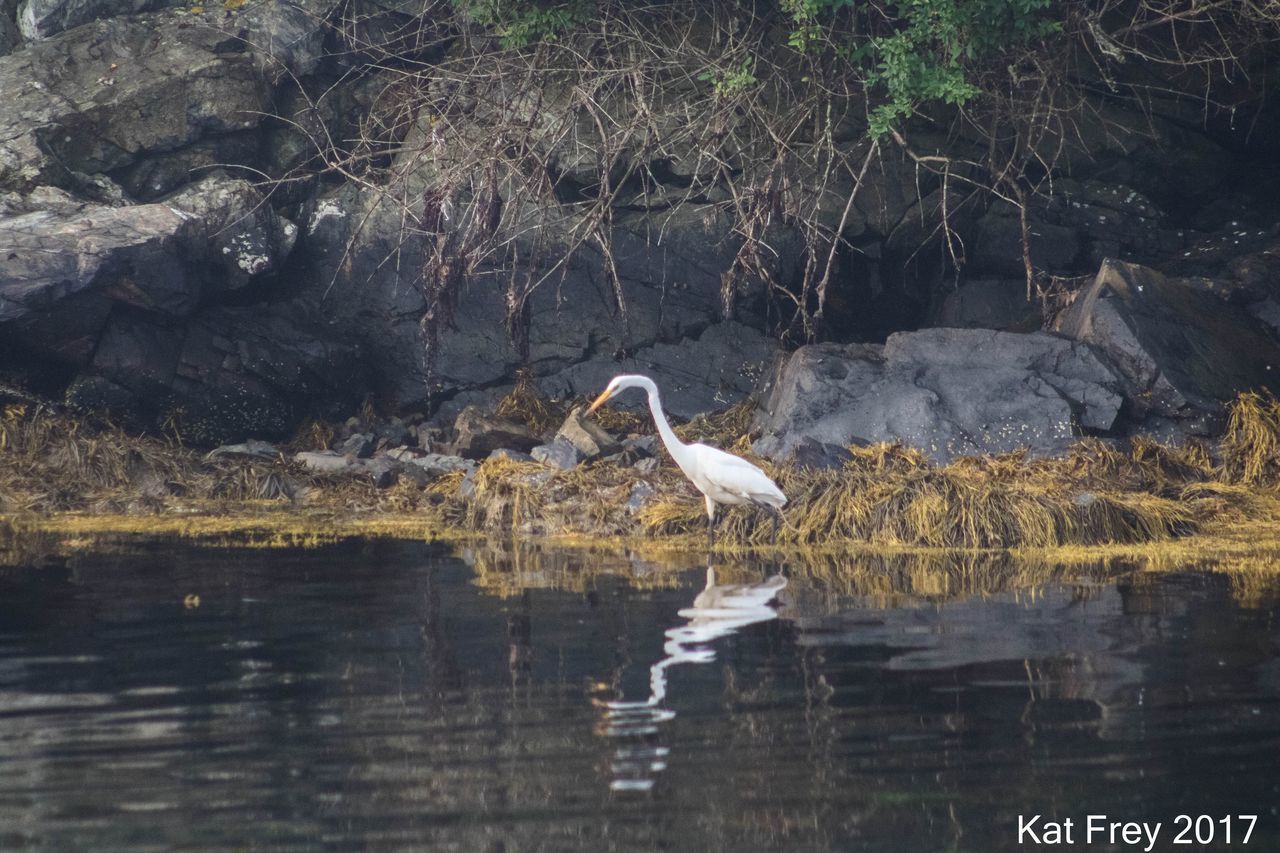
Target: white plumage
721,477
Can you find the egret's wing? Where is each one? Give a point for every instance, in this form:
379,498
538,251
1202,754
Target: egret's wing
737,476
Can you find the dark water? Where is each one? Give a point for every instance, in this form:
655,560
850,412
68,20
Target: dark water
386,695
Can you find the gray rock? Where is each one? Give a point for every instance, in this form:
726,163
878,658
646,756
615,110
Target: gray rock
242,234
511,455
67,263
1073,370
327,462
437,464
393,432
641,494
1180,350
288,35
359,446
1111,218
1257,270
10,37
810,453
485,399
415,475
11,394
231,372
647,466
706,374
1178,431
40,19
99,96
560,453
997,249
83,282
252,448
1074,228
393,31
155,174
888,192
478,434
948,392
643,445
590,440
635,450
427,436
990,303
1268,312
97,395
384,472
670,280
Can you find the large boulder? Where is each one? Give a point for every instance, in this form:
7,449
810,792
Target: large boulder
478,435
948,392
708,373
10,37
99,96
40,19
289,33
66,263
287,36
1180,348
228,373
590,440
369,277
1073,228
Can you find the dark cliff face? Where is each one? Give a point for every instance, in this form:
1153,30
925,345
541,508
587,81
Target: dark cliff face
235,219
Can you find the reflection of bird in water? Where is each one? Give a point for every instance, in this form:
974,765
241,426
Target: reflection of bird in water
721,477
717,611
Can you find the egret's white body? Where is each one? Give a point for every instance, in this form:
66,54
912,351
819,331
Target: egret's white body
721,477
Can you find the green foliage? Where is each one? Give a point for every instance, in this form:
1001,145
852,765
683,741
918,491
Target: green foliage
805,15
921,51
910,52
520,23
733,81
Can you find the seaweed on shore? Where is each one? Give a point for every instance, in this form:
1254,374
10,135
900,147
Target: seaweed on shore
886,495
1251,443
890,495
54,462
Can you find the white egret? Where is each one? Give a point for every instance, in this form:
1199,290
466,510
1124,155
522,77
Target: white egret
721,477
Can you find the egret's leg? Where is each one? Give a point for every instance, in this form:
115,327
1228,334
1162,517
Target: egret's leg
777,520
711,521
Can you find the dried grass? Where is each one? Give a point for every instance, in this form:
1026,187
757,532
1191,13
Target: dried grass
1251,443
52,462
887,495
526,405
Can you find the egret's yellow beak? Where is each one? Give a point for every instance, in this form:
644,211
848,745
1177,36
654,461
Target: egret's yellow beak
600,401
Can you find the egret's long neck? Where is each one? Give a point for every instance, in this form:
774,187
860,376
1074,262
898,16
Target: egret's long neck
674,445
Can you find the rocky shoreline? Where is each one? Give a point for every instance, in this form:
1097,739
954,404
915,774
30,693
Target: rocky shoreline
182,258
582,480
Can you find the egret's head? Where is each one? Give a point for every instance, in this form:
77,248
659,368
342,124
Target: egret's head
622,383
